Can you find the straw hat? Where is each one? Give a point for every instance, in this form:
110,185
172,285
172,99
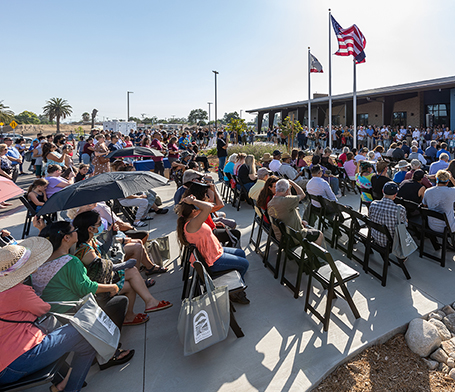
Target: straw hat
266,157
19,261
285,156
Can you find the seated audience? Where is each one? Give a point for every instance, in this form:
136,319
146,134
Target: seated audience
287,170
82,173
284,206
263,175
266,194
36,193
55,181
385,211
379,179
413,189
189,177
416,165
416,155
350,166
390,150
362,155
229,167
26,348
398,152
402,168
266,159
442,164
276,161
431,152
317,186
440,198
192,229
247,172
363,180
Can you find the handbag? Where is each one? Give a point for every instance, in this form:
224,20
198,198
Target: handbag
403,244
96,327
159,250
46,323
204,320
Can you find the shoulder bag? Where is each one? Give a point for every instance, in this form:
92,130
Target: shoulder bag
403,244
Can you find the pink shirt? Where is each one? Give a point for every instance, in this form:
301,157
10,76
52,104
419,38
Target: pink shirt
19,303
206,243
350,168
156,144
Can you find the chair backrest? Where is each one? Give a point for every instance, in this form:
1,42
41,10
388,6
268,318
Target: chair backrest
319,200
230,179
31,211
411,206
282,227
427,213
381,229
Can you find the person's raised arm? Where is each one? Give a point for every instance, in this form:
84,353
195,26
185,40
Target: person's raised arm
215,196
298,189
206,208
54,157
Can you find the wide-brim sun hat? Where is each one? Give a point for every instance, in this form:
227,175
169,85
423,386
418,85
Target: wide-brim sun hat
19,261
402,164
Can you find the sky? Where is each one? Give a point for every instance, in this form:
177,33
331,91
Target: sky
92,52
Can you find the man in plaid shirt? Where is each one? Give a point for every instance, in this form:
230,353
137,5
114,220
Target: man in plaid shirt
384,212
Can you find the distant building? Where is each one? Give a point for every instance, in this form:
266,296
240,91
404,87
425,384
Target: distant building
416,104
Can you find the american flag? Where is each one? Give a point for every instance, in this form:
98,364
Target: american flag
315,65
350,41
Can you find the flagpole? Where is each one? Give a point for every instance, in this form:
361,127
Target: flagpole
330,80
354,106
309,89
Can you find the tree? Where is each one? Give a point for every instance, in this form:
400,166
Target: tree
94,112
86,116
57,108
197,115
27,117
43,119
6,116
290,129
237,125
230,116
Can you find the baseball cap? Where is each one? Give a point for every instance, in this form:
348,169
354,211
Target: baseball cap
276,152
190,175
390,188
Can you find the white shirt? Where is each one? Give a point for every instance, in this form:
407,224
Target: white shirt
275,165
416,134
287,170
317,186
359,158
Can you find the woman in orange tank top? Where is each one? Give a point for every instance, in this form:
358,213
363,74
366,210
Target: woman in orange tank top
192,229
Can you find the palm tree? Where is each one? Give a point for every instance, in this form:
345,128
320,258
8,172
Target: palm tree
57,108
6,116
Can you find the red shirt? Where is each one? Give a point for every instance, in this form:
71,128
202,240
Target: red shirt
156,144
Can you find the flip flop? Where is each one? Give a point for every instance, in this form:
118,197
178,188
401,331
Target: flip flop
149,282
155,270
116,361
162,305
141,318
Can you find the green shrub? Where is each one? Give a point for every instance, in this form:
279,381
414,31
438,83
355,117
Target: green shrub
258,150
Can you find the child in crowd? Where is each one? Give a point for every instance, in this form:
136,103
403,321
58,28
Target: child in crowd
82,174
36,193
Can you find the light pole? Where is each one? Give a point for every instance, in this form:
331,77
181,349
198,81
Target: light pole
216,107
128,105
209,103
241,113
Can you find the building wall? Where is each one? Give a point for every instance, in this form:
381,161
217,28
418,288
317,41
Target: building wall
374,110
452,109
412,107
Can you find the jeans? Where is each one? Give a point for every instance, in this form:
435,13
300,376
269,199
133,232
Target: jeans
334,183
221,162
159,168
232,258
53,346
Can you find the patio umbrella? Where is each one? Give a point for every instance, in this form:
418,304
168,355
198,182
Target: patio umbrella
8,189
102,187
134,152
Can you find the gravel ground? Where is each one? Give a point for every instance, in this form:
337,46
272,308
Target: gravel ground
391,366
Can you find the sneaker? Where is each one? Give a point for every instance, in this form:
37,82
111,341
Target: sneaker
139,224
239,298
162,211
338,195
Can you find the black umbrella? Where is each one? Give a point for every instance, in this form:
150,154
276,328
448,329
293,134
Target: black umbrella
134,152
102,187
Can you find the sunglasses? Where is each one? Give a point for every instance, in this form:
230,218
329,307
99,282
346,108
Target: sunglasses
70,232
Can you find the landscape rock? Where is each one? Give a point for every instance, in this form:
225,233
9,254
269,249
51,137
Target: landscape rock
434,315
440,355
452,373
444,333
444,368
453,305
449,321
441,313
452,354
432,365
422,337
448,310
450,362
449,346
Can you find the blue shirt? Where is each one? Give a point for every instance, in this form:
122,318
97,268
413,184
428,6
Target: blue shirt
13,153
431,152
228,168
178,194
370,131
442,151
399,176
439,165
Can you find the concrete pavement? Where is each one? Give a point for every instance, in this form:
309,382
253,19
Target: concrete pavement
284,349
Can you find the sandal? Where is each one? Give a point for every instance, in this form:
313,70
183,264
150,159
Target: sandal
141,318
115,360
155,270
147,218
149,282
162,305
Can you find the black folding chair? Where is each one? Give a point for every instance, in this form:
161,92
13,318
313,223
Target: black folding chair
363,202
243,193
259,221
428,214
331,275
345,182
234,190
271,238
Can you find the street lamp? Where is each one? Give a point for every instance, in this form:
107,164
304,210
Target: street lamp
128,105
209,103
216,107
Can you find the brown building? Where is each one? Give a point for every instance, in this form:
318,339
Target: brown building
419,104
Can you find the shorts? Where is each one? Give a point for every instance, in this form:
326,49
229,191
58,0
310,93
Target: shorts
311,234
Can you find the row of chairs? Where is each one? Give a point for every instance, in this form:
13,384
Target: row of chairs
310,258
233,191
